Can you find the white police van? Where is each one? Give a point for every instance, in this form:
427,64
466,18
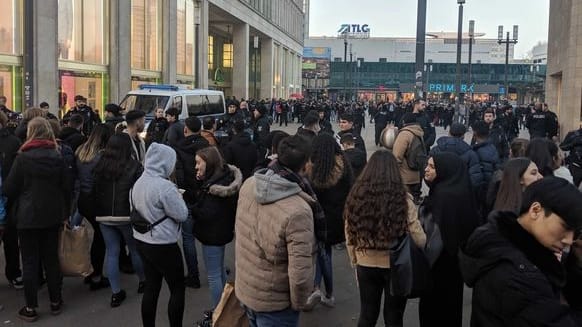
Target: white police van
196,102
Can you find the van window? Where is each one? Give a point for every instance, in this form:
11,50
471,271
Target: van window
144,102
178,103
201,105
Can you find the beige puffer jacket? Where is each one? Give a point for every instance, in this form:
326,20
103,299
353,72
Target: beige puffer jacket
401,146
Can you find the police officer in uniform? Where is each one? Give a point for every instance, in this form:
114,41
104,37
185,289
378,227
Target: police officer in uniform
261,130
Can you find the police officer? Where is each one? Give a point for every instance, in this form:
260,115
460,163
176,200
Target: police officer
261,129
422,118
551,123
537,122
381,120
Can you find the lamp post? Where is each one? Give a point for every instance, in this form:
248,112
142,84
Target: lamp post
459,48
471,37
198,17
507,42
255,48
428,70
420,46
345,63
534,68
351,72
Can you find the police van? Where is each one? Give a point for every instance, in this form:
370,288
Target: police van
199,103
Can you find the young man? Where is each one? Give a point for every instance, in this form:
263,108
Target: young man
324,123
90,118
526,269
425,123
488,157
261,130
241,151
135,126
275,240
497,135
310,127
175,133
403,147
45,107
113,115
346,125
208,128
71,133
355,156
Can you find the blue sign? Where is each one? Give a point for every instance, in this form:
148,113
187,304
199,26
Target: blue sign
354,28
502,90
317,52
450,88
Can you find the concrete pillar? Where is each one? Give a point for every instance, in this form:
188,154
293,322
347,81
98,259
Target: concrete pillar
119,50
169,40
202,64
41,78
240,69
266,68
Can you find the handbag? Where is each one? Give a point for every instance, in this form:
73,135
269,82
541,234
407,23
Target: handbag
434,241
409,269
138,222
75,249
388,136
229,312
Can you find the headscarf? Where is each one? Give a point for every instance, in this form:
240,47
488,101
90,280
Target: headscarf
451,201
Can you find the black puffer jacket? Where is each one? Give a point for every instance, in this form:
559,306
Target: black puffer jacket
332,198
489,159
242,153
72,137
517,281
215,208
357,159
112,195
186,163
459,147
39,184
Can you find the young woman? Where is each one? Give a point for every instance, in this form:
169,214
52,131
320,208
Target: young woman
87,156
451,203
538,150
38,181
518,174
214,213
158,201
157,128
115,174
330,175
378,210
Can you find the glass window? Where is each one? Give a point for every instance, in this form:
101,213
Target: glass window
10,29
81,29
201,105
10,84
185,37
177,103
227,55
210,52
146,103
89,85
146,34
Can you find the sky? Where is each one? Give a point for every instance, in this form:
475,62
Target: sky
397,18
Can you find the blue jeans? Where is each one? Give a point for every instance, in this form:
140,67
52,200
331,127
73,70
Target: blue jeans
112,235
189,246
214,261
283,318
323,269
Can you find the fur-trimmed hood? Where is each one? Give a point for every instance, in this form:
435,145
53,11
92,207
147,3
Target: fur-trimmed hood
232,188
338,171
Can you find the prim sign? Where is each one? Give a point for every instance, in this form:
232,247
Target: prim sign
354,31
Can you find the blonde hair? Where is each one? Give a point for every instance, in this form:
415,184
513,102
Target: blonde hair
40,129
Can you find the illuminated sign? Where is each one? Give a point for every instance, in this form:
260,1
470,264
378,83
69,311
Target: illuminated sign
450,88
354,31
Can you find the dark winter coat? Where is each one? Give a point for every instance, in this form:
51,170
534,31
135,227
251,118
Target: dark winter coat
332,195
489,159
215,209
156,130
358,140
186,163
517,281
111,196
112,122
428,129
85,174
325,126
9,145
498,138
90,118
38,183
72,137
307,134
174,134
463,150
357,159
261,133
242,153
537,123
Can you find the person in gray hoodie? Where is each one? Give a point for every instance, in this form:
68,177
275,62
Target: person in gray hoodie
154,196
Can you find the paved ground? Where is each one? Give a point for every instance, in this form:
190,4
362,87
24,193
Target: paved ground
88,309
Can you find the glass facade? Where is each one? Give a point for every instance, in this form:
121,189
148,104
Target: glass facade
146,34
10,27
227,55
82,31
185,36
91,85
10,86
210,52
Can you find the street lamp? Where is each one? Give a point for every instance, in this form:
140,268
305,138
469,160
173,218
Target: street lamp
471,37
197,18
255,48
459,48
428,70
507,42
345,63
420,47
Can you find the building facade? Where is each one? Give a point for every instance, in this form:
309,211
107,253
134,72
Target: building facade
52,50
564,76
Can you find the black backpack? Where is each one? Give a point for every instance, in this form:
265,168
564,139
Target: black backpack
415,156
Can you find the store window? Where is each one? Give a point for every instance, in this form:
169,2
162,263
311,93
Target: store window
88,84
185,36
227,55
146,34
210,52
10,27
81,29
10,86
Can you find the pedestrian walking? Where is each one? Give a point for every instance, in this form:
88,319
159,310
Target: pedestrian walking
378,211
409,144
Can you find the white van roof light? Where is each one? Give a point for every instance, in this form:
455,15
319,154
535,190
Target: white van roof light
161,87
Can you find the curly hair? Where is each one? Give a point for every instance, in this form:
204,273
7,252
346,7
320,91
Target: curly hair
376,210
324,150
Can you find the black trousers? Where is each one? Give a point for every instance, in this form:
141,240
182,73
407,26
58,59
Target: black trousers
36,246
373,282
11,252
162,262
98,246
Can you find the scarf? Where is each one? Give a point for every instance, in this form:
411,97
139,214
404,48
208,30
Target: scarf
319,221
38,144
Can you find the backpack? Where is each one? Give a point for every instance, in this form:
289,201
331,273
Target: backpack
415,156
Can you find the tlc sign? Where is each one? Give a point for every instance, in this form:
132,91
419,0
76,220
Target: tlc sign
354,28
450,88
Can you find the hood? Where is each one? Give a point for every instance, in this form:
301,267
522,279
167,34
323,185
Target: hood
67,131
416,129
192,143
242,139
270,187
453,144
160,161
232,188
334,177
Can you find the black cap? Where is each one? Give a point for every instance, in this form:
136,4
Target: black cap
558,196
134,115
458,129
80,98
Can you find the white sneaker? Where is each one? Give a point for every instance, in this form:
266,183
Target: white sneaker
328,301
313,300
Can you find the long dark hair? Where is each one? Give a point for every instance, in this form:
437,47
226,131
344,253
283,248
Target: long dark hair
510,189
115,158
97,141
538,151
324,150
376,210
215,164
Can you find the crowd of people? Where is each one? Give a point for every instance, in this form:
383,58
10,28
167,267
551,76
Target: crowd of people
506,208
